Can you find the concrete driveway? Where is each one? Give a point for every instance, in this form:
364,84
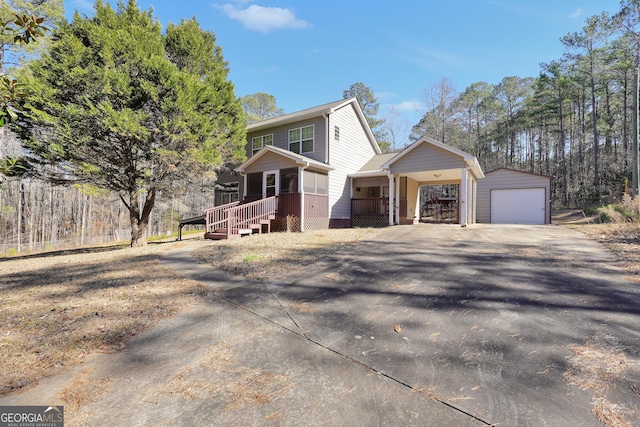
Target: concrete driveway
421,325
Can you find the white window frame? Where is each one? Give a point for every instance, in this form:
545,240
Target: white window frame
301,140
261,143
228,196
276,186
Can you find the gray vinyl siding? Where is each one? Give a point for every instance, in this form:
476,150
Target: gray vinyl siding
505,179
347,156
427,157
281,137
269,162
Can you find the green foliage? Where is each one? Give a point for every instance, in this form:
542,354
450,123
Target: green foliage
370,106
260,106
23,29
119,105
14,167
11,252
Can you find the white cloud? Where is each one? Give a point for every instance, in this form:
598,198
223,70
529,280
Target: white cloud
577,14
409,106
264,19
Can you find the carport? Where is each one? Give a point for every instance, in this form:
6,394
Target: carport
400,176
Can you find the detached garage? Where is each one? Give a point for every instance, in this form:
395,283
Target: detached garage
507,196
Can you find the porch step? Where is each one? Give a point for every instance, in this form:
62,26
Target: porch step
221,233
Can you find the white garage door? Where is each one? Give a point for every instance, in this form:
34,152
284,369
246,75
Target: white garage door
518,206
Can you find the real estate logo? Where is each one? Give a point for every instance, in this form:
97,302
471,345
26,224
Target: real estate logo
31,416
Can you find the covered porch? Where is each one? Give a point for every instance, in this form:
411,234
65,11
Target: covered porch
386,191
299,184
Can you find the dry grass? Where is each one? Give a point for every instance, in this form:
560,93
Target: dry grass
55,309
599,365
78,394
235,383
622,239
270,256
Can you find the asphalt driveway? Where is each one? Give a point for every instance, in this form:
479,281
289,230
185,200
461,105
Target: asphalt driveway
420,325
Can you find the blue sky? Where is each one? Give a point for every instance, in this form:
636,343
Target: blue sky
306,53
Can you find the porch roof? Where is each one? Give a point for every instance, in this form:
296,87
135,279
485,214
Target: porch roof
374,166
297,158
468,160
381,164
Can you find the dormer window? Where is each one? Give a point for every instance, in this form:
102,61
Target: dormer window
259,142
301,140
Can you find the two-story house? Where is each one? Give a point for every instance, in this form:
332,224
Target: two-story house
322,168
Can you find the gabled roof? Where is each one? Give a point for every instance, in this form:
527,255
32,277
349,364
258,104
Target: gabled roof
319,111
470,160
298,158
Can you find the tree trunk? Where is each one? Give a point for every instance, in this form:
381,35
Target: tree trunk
594,123
140,220
635,175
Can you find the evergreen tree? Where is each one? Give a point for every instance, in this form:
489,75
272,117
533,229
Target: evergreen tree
370,106
120,106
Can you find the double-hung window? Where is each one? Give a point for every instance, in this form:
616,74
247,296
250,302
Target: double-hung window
301,140
259,142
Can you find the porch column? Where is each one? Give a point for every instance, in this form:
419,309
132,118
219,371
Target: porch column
416,211
470,201
396,207
474,194
464,192
392,195
301,189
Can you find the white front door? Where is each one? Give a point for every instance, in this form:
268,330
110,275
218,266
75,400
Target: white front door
270,183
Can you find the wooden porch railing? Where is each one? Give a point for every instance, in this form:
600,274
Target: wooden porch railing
370,207
246,215
217,218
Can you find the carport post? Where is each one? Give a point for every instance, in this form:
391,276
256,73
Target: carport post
392,196
464,192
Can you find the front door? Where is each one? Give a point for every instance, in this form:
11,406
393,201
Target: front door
270,183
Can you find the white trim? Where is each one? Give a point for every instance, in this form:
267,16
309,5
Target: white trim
298,158
396,204
262,144
264,182
392,195
463,193
302,139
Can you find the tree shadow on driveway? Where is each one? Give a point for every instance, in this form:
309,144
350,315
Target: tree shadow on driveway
483,318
